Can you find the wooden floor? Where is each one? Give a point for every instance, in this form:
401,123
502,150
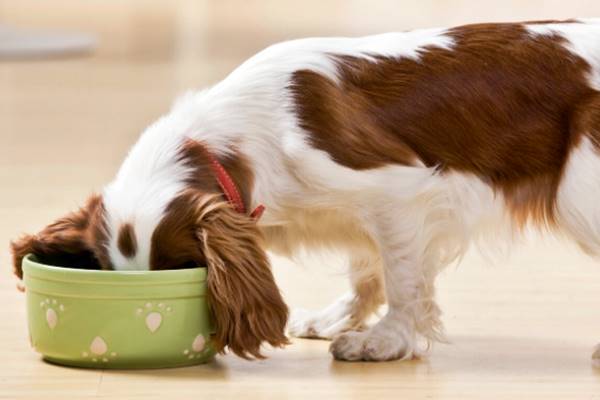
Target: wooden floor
522,328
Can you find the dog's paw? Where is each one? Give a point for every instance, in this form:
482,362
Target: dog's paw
320,325
300,324
368,346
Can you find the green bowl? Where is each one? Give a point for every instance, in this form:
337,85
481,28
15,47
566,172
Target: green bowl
117,319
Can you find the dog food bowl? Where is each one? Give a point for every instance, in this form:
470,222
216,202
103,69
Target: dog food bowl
117,319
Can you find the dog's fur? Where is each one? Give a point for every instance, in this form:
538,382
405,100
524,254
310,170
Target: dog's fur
402,148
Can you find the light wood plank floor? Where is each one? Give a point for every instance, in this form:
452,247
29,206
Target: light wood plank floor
522,328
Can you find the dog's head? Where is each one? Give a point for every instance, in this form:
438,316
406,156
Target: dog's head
145,220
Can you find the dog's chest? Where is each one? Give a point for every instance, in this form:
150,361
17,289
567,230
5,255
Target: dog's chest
315,229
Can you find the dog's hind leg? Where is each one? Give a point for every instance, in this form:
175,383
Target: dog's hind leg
350,311
577,205
577,201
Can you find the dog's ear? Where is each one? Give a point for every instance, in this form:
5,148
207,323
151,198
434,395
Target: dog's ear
67,242
246,304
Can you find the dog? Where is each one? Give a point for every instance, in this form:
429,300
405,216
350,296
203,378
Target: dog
401,148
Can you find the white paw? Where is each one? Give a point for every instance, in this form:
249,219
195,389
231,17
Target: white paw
369,346
300,323
322,325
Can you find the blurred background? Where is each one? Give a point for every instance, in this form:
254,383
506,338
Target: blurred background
68,119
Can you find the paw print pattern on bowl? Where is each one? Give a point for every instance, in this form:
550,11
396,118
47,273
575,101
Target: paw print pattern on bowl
105,304
198,348
153,314
53,308
98,351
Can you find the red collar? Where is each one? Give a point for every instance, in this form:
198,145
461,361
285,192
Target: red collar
230,189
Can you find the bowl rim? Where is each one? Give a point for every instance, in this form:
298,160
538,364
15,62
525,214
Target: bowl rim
33,269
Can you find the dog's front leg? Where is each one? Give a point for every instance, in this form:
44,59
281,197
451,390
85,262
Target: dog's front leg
411,256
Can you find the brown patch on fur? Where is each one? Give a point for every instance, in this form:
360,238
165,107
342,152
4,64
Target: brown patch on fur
126,242
77,240
195,154
174,244
499,104
200,230
247,306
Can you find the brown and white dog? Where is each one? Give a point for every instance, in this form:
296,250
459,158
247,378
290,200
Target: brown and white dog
401,148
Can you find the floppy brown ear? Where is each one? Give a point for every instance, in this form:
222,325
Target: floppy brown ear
246,304
67,242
